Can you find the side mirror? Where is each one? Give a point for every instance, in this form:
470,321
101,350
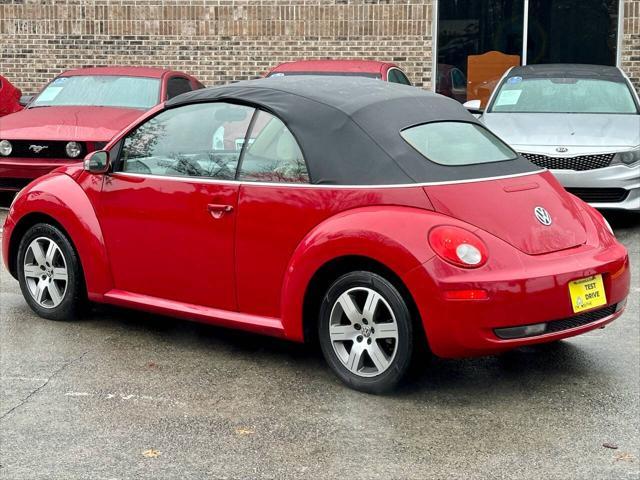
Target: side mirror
474,106
25,100
97,162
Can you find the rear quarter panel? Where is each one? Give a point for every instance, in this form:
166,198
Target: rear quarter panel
285,233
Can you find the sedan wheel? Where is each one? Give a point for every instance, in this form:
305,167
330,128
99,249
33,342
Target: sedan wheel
365,332
49,273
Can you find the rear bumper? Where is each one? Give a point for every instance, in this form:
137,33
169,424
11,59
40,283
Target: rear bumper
617,186
534,291
16,173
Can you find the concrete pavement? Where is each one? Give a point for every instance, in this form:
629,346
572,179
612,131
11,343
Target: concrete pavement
123,394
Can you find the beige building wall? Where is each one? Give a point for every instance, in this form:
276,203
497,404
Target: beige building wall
223,40
630,56
215,40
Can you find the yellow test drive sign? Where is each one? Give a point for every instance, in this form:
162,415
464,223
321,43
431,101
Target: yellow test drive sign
587,293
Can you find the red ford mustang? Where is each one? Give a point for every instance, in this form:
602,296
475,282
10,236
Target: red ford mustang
79,112
369,215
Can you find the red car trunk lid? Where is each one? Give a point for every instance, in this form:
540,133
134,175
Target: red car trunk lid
505,208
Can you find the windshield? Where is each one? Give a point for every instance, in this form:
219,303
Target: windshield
100,90
563,95
457,143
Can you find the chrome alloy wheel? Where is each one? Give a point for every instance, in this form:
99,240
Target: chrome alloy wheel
363,332
45,272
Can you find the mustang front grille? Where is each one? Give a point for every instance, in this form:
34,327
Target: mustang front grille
42,149
581,162
12,184
600,195
555,326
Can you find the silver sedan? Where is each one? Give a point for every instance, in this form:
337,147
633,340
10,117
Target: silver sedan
580,121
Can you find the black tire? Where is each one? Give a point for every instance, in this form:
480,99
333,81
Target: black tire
400,362
74,297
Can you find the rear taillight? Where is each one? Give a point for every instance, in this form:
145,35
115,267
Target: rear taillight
458,246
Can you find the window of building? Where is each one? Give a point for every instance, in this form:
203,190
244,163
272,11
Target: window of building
573,31
481,39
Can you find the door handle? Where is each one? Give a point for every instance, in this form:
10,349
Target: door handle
217,210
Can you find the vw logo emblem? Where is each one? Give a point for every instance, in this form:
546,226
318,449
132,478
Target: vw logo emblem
542,215
562,149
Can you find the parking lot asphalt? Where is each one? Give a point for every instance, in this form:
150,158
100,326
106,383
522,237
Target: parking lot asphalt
122,394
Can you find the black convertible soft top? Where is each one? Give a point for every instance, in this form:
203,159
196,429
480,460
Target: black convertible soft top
349,128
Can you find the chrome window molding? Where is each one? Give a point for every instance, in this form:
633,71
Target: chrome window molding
311,185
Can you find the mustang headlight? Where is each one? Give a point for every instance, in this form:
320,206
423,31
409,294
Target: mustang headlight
73,149
629,157
5,148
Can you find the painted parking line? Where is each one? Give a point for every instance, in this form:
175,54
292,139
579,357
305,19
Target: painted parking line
135,397
24,379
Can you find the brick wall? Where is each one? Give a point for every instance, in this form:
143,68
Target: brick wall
215,40
631,41
223,40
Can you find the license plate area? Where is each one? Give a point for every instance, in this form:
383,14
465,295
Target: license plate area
587,293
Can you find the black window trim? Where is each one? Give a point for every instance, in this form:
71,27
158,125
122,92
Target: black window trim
247,136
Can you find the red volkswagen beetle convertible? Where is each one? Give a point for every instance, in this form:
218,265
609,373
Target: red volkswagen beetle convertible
370,215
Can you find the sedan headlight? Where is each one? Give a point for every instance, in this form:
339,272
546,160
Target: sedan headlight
5,148
629,157
73,149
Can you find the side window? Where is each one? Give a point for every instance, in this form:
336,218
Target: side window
396,76
200,140
273,155
177,86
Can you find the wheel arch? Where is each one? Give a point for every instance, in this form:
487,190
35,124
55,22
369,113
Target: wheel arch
20,229
60,201
388,240
333,269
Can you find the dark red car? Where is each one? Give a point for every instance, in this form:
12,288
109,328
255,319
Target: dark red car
368,215
9,98
389,72
79,112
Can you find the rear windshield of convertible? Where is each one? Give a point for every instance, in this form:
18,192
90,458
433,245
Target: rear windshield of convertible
457,143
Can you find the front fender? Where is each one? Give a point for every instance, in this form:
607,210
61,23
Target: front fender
393,236
61,198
